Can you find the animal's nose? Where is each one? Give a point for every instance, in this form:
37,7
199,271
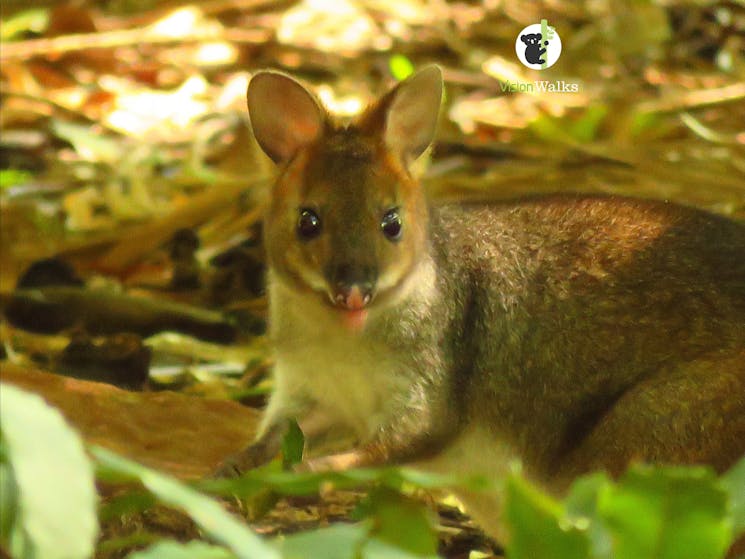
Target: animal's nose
352,287
352,297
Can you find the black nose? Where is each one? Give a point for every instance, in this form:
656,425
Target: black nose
352,287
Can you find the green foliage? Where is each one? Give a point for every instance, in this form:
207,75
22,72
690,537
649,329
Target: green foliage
666,513
400,523
33,21
585,128
309,483
582,505
8,502
580,129
91,145
400,66
292,446
207,513
13,177
397,527
49,503
176,550
539,525
342,541
651,513
733,483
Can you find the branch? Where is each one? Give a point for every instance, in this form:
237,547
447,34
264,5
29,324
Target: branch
63,44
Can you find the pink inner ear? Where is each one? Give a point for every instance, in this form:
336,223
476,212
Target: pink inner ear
308,130
412,115
284,115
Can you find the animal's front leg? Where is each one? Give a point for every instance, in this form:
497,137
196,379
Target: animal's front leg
380,451
275,425
259,452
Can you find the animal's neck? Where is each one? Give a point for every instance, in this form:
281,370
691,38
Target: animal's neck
294,313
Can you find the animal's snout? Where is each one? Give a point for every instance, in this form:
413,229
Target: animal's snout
352,298
352,287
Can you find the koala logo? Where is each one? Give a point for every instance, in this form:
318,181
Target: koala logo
533,50
538,46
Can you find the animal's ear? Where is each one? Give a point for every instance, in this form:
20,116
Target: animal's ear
285,116
407,116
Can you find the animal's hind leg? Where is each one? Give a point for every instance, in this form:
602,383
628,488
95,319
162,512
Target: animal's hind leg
694,414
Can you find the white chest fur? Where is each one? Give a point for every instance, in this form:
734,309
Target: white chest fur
357,379
353,380
350,380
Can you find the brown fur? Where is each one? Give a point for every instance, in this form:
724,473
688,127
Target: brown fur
601,310
571,332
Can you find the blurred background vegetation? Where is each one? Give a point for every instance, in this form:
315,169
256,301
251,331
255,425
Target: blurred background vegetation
131,189
120,113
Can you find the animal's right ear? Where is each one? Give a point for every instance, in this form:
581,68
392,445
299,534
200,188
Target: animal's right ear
285,116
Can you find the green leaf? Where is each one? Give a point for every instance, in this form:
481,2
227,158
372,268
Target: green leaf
643,121
581,506
401,521
667,513
56,513
551,129
292,445
734,482
8,503
400,66
208,514
379,549
128,503
88,143
307,483
177,550
538,527
341,541
13,177
586,127
34,20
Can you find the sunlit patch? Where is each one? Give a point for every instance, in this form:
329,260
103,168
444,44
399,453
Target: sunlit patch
233,93
178,24
350,105
332,26
502,69
214,54
139,112
495,111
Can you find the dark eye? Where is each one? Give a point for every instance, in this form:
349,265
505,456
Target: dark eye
308,224
391,225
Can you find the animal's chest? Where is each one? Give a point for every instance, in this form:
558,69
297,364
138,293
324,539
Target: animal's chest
352,382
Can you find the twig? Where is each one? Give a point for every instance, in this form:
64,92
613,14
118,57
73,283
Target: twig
153,234
56,46
208,8
696,98
56,107
54,309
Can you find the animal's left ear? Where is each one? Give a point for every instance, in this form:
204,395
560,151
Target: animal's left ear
407,116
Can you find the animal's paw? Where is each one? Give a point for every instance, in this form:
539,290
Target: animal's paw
333,463
240,462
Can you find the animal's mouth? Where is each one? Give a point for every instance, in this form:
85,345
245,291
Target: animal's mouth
352,306
351,299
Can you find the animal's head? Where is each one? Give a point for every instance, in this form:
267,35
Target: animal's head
347,221
531,38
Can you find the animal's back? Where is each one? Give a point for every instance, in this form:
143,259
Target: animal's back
599,330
